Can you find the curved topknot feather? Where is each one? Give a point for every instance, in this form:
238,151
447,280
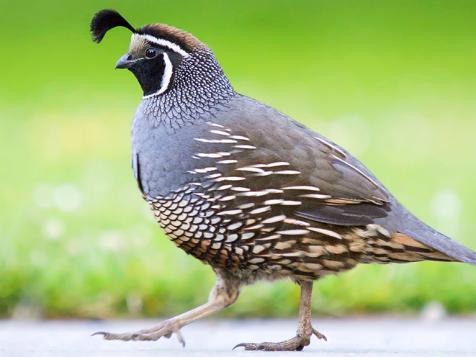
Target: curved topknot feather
105,20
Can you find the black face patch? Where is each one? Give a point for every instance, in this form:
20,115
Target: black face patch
156,74
149,73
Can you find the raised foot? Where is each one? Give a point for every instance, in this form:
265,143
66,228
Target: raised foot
296,343
165,329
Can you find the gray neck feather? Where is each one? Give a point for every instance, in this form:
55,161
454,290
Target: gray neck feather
199,89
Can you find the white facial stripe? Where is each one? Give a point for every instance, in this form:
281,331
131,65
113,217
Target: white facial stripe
161,42
166,77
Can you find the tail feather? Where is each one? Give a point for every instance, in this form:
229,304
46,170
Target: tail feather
419,251
423,233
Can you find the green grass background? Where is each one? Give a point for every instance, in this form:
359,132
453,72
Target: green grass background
392,81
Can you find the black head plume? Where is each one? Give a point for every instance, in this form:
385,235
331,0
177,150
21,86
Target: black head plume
105,20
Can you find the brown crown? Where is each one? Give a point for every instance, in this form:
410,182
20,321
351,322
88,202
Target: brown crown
182,38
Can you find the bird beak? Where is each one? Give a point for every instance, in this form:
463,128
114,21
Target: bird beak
124,62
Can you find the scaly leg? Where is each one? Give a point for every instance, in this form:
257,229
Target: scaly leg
304,331
224,293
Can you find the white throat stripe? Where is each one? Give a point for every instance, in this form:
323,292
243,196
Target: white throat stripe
161,42
166,77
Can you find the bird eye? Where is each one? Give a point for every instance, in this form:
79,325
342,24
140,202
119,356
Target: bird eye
151,52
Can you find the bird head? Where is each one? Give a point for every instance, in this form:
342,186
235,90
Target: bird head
156,51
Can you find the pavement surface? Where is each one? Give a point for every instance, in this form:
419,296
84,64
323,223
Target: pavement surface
381,336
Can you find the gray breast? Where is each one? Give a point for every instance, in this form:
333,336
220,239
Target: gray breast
161,158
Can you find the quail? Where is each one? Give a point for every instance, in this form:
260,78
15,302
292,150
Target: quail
250,191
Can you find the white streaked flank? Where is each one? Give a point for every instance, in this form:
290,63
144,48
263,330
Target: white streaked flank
276,201
224,187
291,203
246,205
296,222
260,210
225,162
215,155
274,219
229,178
255,227
247,147
216,141
303,188
250,169
271,237
239,137
287,172
292,232
220,132
205,170
227,198
264,173
215,124
316,195
255,193
326,232
240,189
273,164
212,176
232,212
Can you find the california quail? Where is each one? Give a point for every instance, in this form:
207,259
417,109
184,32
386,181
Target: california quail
248,190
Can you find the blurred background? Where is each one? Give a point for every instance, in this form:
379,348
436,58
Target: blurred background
394,82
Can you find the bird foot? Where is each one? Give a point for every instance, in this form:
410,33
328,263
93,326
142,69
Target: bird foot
165,329
296,343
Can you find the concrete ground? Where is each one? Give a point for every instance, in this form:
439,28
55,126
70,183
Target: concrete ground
381,336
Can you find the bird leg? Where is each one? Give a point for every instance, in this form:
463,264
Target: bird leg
224,293
304,331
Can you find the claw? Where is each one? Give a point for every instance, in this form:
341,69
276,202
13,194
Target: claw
134,336
99,333
113,336
247,346
179,337
319,335
238,345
